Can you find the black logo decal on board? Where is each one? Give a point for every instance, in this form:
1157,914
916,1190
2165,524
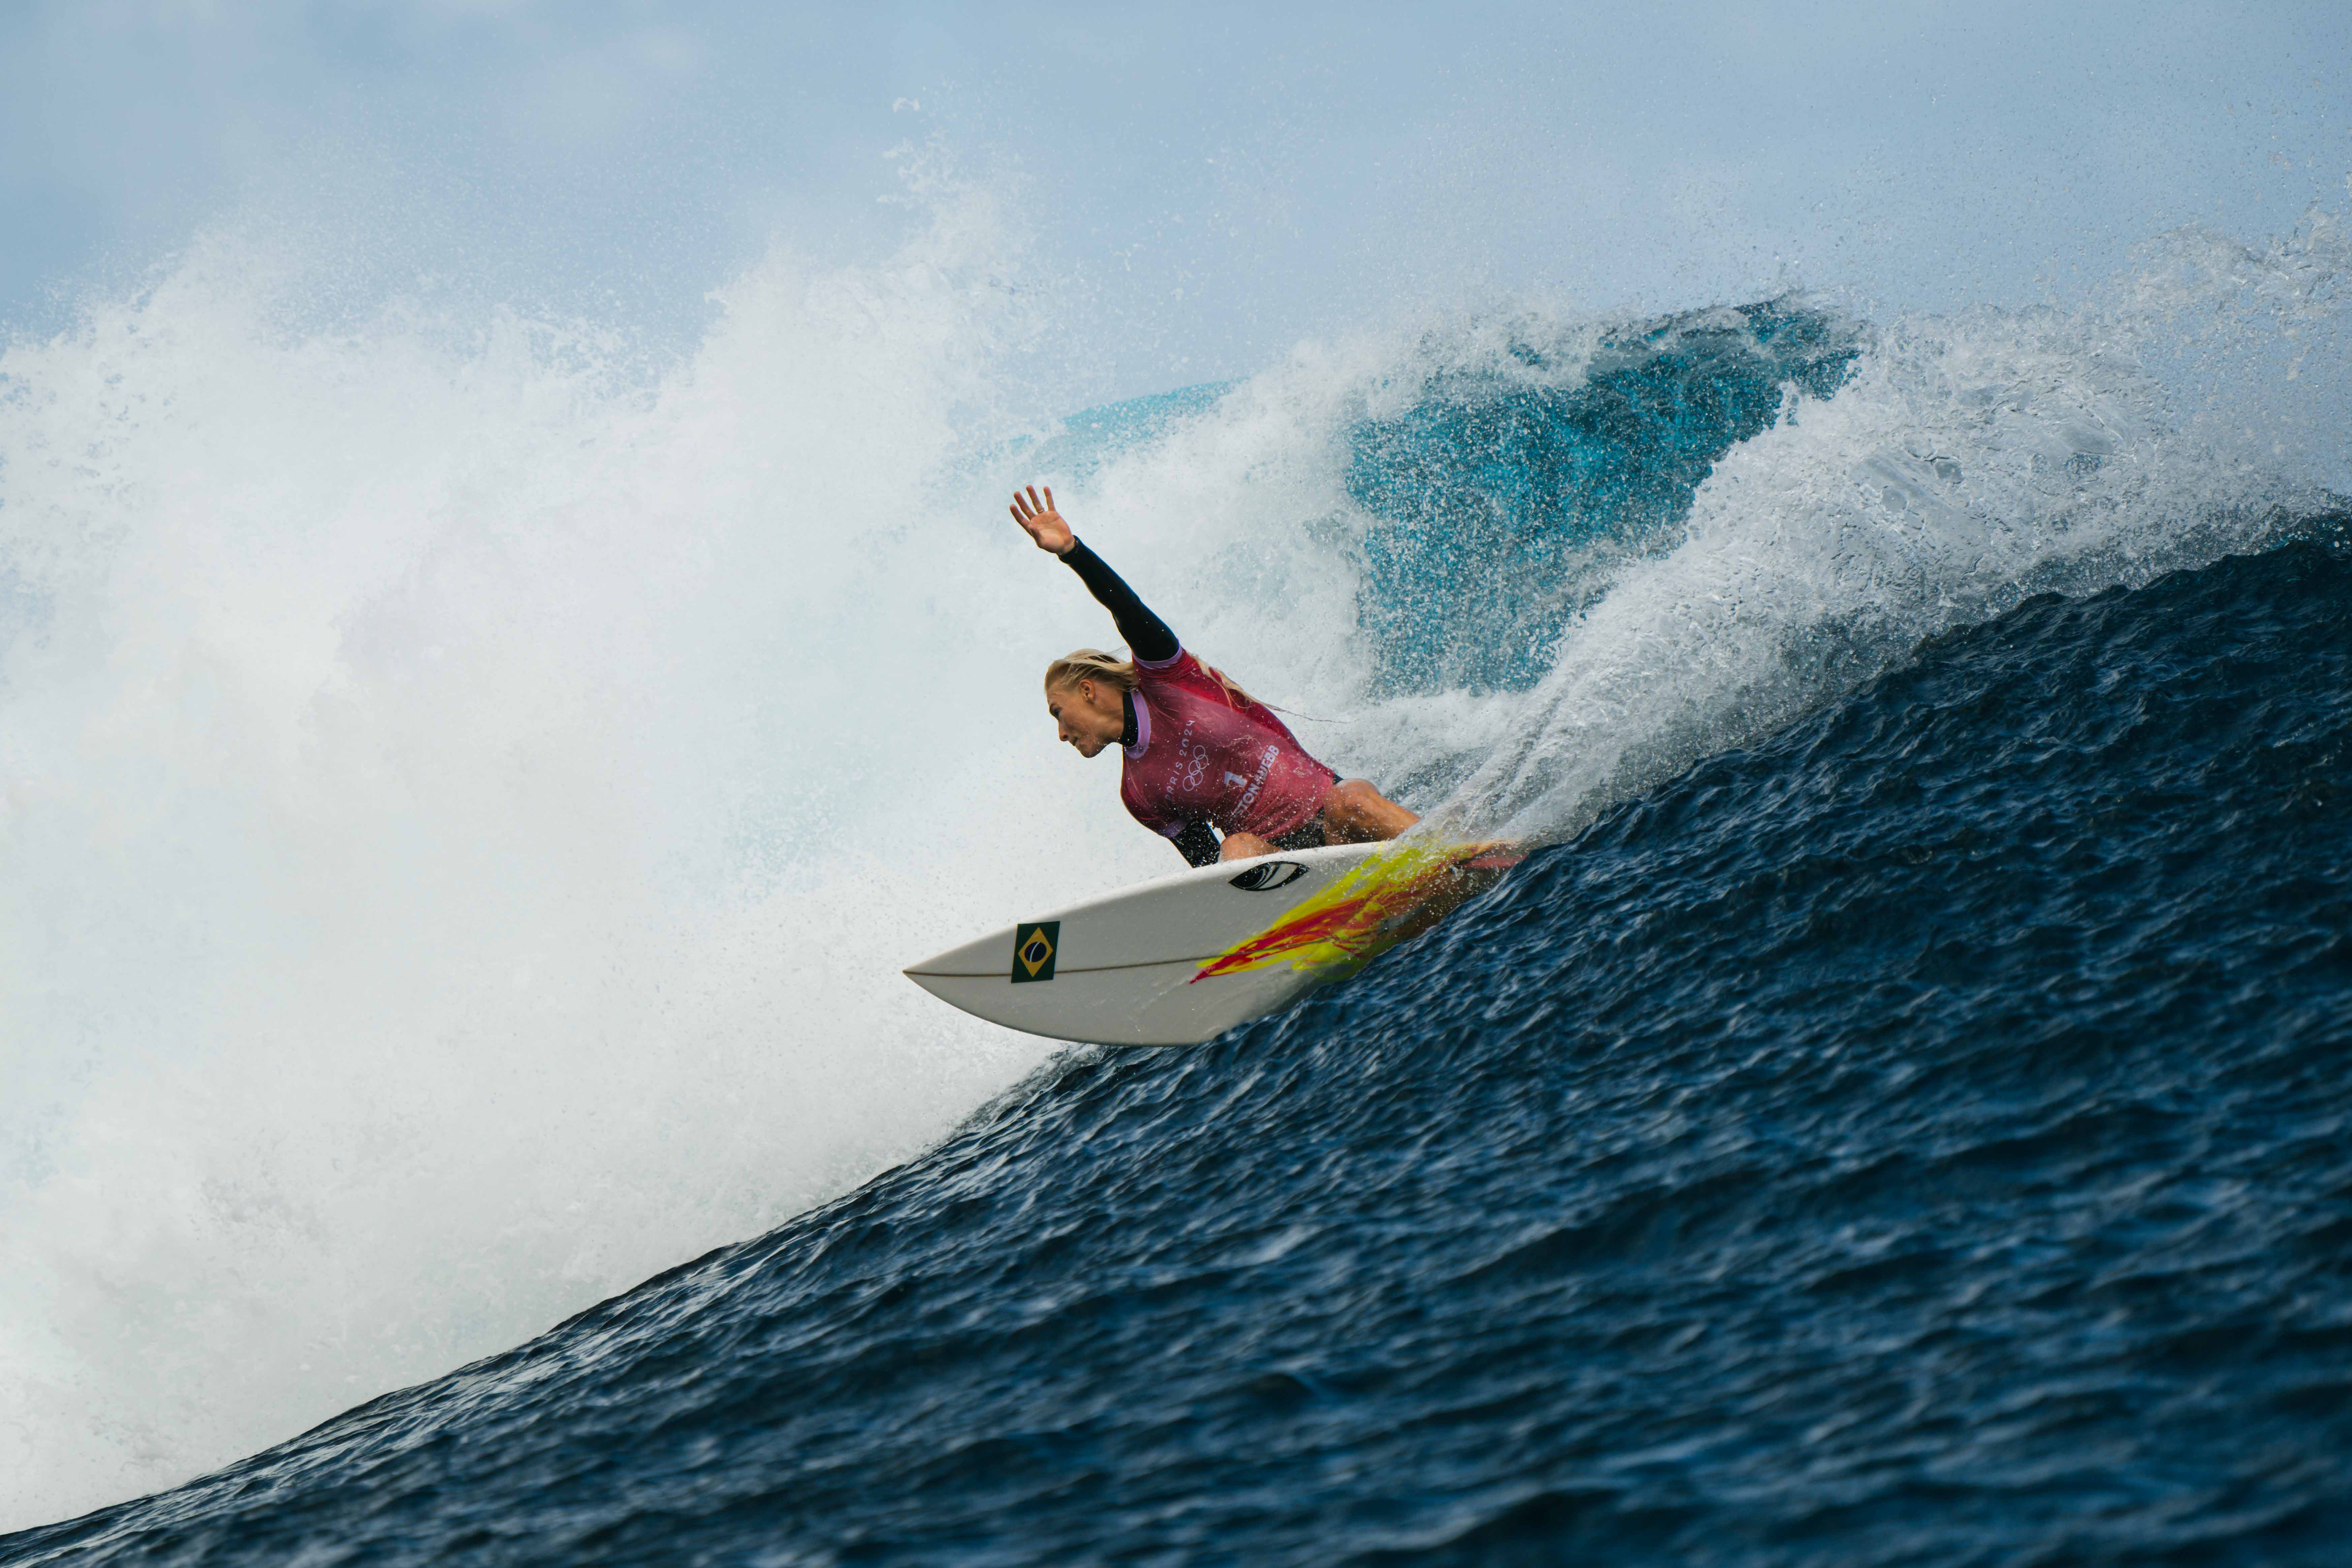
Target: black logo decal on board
1032,951
1268,875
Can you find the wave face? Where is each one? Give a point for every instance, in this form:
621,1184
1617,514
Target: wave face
464,791
1918,1138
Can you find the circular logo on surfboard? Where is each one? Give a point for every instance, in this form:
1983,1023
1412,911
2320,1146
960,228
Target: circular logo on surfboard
1268,875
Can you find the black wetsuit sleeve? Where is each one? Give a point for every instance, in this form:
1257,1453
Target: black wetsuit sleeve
1197,844
1145,633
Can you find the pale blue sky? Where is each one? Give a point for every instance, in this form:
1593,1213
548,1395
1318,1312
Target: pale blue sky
1208,183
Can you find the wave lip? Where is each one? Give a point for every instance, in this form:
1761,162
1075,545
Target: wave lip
1960,468
1502,488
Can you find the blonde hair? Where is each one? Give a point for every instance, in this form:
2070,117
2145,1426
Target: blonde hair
1093,664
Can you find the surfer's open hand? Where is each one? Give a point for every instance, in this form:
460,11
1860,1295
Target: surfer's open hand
1042,522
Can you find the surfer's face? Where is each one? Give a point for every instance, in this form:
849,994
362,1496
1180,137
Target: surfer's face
1089,713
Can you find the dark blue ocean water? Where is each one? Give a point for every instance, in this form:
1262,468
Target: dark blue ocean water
1924,1138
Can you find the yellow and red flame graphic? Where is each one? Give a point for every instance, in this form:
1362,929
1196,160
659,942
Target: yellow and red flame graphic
1387,898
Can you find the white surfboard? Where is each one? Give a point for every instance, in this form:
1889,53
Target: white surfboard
1181,958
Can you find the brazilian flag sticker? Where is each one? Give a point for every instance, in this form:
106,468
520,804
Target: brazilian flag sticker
1032,951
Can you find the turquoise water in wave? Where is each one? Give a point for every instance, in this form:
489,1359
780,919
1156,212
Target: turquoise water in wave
1507,491
1898,1115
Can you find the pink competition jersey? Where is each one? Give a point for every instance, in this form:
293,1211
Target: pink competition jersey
1198,757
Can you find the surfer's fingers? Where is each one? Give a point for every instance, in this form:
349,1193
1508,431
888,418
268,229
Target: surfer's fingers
1049,498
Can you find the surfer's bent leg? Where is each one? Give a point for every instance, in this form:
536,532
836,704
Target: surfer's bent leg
1356,813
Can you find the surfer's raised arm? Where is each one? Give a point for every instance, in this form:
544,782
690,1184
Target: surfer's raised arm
1145,633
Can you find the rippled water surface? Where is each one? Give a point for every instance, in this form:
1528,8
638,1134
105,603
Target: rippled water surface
1924,1136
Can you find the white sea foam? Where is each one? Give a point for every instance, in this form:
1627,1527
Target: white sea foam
463,816
464,807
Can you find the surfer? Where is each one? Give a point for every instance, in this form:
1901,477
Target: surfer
1202,757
